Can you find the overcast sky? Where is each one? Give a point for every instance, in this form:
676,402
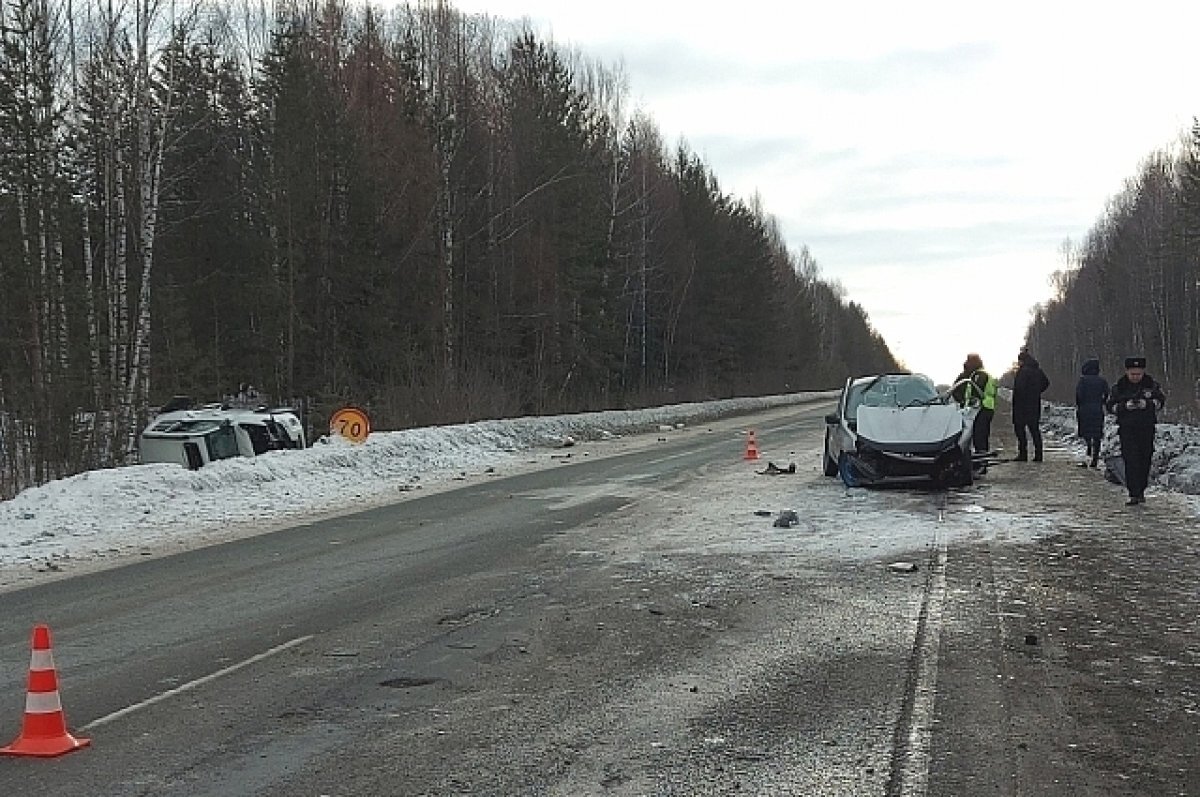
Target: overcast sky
933,156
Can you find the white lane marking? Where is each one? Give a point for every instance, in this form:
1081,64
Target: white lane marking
915,780
667,458
193,684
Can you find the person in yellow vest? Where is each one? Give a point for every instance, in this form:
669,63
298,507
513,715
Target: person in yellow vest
976,384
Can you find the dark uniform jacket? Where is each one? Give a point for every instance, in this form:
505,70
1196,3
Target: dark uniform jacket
1136,406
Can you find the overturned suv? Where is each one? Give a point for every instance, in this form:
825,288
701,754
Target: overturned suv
898,429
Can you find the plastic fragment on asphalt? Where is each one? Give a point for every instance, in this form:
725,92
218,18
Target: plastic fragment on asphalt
787,518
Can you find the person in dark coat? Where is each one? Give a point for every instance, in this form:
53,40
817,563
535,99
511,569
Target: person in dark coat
1091,392
1136,399
1028,385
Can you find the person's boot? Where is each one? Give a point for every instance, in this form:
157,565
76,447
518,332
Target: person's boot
1037,456
1021,457
1096,457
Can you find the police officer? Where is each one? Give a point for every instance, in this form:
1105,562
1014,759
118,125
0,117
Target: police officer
1136,399
976,384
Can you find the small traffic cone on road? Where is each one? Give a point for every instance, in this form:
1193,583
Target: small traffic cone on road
751,446
44,730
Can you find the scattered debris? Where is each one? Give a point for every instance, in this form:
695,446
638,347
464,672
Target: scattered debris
763,512
567,441
1031,639
903,567
787,518
408,682
774,470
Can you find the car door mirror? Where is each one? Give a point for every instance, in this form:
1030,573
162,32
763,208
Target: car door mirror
832,419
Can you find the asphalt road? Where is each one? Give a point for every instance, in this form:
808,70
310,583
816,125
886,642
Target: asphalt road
622,623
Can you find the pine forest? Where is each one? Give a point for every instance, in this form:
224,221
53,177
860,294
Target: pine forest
438,217
1132,286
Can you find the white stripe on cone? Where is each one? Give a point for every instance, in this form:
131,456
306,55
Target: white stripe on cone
42,703
41,660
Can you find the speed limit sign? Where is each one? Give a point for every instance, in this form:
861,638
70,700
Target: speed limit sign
350,423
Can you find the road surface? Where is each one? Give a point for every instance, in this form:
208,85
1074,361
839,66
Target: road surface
631,621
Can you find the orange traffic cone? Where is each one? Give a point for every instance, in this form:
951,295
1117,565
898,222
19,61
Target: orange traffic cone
44,730
751,446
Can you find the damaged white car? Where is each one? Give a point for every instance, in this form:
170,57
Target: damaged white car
898,429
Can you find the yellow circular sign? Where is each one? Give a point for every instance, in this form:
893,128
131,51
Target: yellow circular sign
351,423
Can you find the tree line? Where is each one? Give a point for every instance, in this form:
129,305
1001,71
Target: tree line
1132,287
440,217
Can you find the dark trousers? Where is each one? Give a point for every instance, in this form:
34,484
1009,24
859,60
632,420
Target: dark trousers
1035,434
1137,448
982,431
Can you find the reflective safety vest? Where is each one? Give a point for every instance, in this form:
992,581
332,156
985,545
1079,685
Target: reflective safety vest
988,399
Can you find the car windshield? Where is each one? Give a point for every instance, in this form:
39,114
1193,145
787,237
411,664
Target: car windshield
187,427
909,390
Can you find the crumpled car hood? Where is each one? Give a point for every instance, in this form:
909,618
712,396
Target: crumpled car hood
906,425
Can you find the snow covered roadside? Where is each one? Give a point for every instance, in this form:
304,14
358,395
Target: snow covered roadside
147,509
1176,464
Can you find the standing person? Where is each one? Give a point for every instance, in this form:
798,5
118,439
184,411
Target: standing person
1091,393
1136,399
976,384
1028,385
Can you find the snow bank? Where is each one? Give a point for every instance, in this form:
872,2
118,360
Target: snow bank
112,512
1176,464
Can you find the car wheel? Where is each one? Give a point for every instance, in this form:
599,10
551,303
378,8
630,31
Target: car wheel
831,466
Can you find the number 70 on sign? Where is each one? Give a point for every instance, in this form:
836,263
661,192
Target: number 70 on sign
350,423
